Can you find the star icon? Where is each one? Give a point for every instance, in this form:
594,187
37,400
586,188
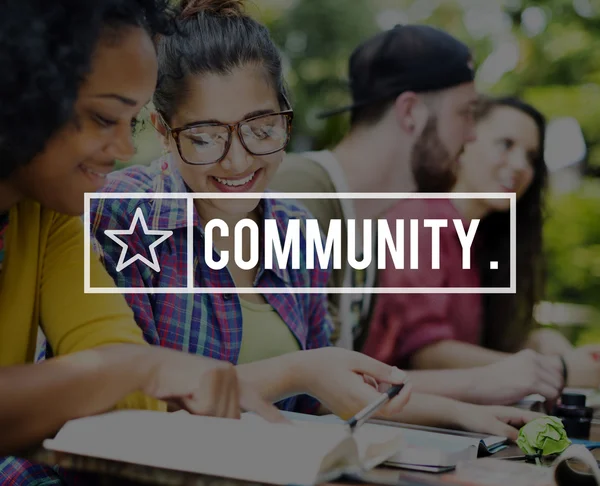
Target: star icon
138,217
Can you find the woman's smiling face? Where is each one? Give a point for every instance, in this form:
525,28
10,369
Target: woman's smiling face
243,94
502,157
77,159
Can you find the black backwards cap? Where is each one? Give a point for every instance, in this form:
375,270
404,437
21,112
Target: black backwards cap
415,58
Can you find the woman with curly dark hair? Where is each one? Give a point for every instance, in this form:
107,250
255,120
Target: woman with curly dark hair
74,76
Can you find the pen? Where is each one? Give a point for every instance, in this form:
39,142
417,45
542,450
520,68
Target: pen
367,412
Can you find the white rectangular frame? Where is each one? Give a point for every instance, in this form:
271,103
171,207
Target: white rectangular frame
189,197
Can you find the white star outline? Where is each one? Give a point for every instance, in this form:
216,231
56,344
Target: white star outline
138,217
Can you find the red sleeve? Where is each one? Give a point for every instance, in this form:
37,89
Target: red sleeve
405,323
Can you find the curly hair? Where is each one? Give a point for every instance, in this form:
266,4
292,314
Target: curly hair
46,50
508,318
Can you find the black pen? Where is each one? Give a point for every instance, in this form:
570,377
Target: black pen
370,410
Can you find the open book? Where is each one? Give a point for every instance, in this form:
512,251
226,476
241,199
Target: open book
249,449
433,449
428,449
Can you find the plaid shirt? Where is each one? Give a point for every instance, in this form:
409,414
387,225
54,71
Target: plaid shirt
204,323
15,471
20,472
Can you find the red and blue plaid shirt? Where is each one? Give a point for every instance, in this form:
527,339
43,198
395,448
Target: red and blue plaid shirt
15,471
207,324
20,472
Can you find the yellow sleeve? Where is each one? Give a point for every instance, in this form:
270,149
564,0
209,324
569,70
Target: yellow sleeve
73,320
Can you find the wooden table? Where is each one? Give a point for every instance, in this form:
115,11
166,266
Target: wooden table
120,474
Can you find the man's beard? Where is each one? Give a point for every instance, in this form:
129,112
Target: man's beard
433,167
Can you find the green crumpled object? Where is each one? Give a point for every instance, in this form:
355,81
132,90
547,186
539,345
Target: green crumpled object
545,436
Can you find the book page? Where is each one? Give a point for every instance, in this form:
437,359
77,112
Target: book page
421,446
414,447
375,443
430,449
468,438
251,450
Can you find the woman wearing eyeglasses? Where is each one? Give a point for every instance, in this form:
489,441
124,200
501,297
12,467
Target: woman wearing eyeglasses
72,86
225,121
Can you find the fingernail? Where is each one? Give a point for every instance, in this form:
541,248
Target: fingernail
397,375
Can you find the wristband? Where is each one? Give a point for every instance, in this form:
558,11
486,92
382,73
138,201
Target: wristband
564,370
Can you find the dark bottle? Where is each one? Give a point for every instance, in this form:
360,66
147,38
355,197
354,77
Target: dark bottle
575,416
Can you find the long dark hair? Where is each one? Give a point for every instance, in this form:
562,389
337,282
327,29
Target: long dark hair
212,37
508,318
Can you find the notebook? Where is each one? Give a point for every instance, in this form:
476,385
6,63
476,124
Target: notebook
484,444
249,449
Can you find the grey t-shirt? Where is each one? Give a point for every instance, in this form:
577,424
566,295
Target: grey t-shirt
321,172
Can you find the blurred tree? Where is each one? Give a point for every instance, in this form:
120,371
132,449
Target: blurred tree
573,246
317,38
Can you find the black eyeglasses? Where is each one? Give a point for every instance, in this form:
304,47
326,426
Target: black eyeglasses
207,143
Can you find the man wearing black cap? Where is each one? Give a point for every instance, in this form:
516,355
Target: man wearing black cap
413,94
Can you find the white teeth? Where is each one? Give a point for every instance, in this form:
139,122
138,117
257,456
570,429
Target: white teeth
93,172
236,182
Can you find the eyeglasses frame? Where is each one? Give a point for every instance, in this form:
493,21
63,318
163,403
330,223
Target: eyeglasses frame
231,127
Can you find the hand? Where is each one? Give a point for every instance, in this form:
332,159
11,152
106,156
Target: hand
549,342
202,386
583,370
512,379
346,381
494,420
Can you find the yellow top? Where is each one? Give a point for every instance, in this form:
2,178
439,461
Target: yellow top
41,283
264,333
